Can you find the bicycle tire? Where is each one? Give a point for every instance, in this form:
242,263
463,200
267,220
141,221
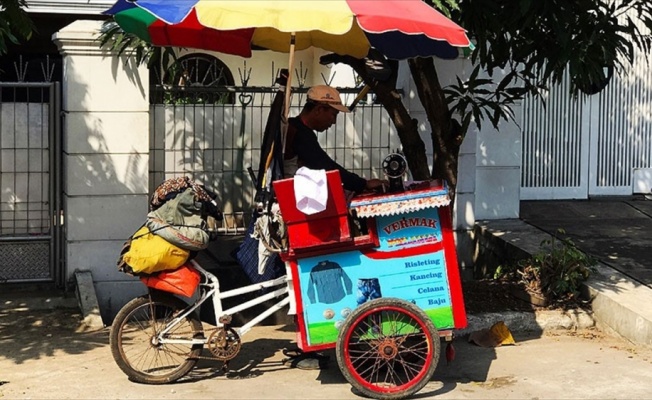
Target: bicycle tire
133,344
388,349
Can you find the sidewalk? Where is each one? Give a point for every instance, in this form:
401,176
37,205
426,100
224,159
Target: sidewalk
41,357
616,231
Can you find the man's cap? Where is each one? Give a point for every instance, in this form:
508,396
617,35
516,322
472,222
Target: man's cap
327,95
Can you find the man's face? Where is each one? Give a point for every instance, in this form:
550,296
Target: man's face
325,117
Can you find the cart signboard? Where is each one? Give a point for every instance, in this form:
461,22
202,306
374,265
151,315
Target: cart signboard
409,264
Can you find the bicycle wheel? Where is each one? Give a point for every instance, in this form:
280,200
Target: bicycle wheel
136,349
388,349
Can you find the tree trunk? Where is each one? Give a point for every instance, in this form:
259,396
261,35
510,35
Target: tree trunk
413,147
407,128
446,141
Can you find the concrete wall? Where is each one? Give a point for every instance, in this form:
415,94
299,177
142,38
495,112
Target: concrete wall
489,160
498,168
105,159
261,69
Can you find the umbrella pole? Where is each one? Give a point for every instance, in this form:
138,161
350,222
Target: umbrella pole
359,97
286,111
288,88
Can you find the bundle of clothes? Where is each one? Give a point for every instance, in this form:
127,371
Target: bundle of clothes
182,220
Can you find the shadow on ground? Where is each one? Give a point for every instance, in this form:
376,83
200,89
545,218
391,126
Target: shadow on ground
27,334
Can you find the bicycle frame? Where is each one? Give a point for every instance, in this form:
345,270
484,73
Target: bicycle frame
211,290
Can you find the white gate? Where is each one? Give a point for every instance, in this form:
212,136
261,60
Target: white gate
621,131
591,145
30,195
555,146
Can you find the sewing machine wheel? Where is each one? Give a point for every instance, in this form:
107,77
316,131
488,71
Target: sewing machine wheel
394,165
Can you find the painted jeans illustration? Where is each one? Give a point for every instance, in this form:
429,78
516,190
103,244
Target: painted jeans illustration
369,289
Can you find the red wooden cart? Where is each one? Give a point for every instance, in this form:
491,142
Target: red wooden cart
376,279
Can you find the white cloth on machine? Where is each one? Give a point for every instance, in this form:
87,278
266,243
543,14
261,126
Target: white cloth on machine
310,190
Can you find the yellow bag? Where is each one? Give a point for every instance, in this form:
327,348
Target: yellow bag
150,253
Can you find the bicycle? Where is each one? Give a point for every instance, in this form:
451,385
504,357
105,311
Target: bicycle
158,338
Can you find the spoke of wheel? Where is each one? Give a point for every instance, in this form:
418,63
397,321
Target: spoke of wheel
392,322
138,337
391,375
172,355
152,316
362,329
139,357
404,327
149,358
375,376
373,369
418,349
377,321
143,323
154,364
411,369
398,322
164,360
365,354
359,356
144,362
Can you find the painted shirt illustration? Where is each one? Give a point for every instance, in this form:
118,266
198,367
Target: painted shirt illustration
330,281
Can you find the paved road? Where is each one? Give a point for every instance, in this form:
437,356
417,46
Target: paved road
42,358
618,231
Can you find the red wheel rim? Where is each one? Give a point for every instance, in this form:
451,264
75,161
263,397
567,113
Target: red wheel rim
386,348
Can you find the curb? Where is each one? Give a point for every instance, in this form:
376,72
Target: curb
538,321
621,305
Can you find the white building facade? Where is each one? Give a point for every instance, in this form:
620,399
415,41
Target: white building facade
595,145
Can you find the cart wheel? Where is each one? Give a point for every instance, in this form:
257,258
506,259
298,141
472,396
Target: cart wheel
388,349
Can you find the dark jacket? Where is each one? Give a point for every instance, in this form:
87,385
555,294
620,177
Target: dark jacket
302,142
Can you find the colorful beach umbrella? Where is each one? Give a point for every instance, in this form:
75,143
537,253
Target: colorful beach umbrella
399,29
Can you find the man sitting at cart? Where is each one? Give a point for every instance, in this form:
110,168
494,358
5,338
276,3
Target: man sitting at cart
302,149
